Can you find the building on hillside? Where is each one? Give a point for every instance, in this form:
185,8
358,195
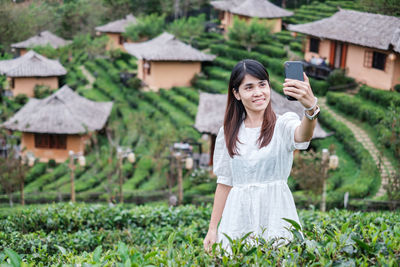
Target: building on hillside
41,39
366,45
25,72
246,10
114,31
61,122
211,112
164,61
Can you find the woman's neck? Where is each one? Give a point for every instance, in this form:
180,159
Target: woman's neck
254,119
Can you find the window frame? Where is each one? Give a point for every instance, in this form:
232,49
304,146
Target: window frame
314,45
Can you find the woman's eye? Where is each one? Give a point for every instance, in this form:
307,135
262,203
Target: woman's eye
262,85
248,88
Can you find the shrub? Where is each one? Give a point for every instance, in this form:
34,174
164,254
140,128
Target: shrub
381,97
319,87
397,88
338,77
52,163
21,99
41,91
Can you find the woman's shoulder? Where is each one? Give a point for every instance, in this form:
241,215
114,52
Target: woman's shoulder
290,115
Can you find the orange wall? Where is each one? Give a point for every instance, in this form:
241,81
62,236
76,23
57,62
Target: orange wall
166,74
74,142
228,19
396,72
113,42
25,85
371,76
22,51
324,49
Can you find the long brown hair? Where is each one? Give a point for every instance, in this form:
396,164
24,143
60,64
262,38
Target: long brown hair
235,111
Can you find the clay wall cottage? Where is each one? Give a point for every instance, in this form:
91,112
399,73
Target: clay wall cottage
211,112
165,62
41,39
114,31
267,12
53,126
366,45
29,70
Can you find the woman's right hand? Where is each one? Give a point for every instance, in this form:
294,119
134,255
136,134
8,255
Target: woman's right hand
209,240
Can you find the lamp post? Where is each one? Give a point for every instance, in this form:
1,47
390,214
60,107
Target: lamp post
28,159
82,163
182,153
123,152
329,162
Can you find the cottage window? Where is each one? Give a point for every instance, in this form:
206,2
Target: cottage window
12,83
121,39
314,45
376,60
55,141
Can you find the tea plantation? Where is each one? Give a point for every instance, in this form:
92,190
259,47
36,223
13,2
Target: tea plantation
157,235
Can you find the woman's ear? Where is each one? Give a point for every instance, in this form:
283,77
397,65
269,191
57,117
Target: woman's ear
236,94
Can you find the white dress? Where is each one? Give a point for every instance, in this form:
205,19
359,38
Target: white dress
260,196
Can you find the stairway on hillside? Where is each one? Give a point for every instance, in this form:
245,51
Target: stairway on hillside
385,166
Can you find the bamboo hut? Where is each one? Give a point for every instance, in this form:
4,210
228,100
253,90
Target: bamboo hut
29,70
211,111
264,10
114,30
41,39
366,45
61,122
164,61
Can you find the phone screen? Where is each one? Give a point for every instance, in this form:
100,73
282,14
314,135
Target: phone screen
294,70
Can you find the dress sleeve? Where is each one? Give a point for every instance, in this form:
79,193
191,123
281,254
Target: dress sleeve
290,121
221,160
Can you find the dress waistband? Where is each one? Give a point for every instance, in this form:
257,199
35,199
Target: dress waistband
263,184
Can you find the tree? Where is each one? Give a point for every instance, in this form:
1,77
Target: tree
249,35
13,172
187,29
146,27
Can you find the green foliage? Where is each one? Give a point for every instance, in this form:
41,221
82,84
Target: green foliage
42,91
146,27
381,97
338,77
187,29
385,7
249,35
21,99
389,130
357,107
159,235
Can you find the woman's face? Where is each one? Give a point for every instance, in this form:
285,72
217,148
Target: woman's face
254,93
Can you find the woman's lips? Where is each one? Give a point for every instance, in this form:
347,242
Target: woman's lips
259,101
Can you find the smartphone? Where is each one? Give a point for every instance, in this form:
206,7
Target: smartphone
294,70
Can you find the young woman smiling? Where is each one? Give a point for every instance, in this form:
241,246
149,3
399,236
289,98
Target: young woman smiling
253,157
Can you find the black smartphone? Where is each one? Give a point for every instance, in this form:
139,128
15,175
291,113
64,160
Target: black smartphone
294,70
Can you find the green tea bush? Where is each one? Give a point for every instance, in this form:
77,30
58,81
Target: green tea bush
381,97
77,234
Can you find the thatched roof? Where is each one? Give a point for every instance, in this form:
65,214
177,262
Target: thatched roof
166,47
42,39
211,111
252,8
361,28
31,64
64,112
117,26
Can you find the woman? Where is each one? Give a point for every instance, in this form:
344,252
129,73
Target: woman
253,157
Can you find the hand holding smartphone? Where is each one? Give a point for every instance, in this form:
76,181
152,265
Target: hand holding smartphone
294,70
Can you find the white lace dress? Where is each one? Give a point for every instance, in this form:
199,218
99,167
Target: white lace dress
260,196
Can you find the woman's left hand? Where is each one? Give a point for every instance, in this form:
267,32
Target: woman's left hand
300,90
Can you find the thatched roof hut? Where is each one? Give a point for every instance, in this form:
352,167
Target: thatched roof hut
211,110
360,28
64,112
31,65
166,47
252,8
42,39
117,26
